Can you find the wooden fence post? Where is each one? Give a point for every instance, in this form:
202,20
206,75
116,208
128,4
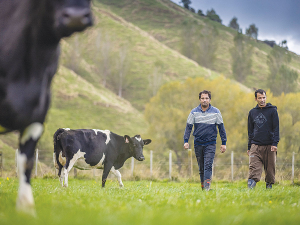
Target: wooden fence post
132,166
293,167
75,172
16,160
151,161
36,161
232,166
170,165
1,162
190,157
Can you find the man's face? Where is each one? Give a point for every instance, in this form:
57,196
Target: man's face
261,99
204,100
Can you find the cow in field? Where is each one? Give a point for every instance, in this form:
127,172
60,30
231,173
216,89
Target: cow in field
30,31
99,149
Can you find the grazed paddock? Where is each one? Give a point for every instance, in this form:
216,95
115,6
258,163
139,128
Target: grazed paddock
146,202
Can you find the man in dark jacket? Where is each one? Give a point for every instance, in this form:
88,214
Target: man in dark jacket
205,118
263,133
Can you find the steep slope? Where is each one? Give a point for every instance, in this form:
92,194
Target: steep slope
76,104
168,23
81,98
149,63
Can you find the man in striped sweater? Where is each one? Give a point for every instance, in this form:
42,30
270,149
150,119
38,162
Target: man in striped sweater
205,118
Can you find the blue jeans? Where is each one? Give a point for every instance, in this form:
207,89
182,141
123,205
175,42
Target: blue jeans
205,157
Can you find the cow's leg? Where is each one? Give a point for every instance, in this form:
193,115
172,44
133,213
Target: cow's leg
118,175
66,172
59,167
61,175
28,140
66,175
107,168
69,165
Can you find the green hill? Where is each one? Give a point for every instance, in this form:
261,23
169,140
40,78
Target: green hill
178,28
79,97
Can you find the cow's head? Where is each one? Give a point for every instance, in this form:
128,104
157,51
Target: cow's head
136,145
70,16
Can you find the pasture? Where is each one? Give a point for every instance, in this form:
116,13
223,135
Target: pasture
150,202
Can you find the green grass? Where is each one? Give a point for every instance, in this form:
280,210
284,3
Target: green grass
146,202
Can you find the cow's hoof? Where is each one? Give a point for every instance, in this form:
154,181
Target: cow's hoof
121,185
25,202
65,185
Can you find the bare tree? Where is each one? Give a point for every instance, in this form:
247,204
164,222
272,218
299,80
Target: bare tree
155,79
105,50
122,69
241,55
188,32
73,55
207,45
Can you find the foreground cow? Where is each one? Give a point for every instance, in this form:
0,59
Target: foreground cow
30,31
99,149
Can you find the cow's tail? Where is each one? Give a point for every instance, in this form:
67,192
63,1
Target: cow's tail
57,147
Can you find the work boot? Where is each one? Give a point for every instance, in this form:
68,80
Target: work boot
206,185
251,183
268,185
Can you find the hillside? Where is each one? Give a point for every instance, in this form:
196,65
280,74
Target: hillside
149,63
170,23
76,104
79,97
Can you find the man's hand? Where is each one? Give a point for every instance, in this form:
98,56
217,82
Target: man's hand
273,149
186,146
223,148
248,151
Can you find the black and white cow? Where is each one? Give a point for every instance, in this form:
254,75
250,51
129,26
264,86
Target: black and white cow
30,31
99,149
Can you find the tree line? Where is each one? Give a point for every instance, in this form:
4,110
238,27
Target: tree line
201,42
251,31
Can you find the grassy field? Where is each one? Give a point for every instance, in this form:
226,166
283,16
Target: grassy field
146,202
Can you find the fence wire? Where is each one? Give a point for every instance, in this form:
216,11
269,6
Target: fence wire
163,168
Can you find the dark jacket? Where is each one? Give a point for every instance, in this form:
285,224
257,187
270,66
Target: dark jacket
263,126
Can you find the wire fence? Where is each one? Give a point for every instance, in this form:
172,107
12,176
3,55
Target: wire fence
158,167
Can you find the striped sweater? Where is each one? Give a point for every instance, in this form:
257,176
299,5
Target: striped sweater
205,122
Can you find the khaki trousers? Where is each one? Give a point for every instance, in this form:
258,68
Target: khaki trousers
261,156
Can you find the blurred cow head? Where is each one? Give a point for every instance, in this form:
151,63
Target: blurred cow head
68,16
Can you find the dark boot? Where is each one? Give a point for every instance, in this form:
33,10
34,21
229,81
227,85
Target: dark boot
202,186
207,185
251,183
268,185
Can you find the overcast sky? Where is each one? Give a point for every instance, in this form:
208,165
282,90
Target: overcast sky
275,19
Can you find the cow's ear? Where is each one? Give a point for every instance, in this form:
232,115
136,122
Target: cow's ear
147,141
127,139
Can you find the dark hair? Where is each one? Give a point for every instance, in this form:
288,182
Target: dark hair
260,91
205,92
